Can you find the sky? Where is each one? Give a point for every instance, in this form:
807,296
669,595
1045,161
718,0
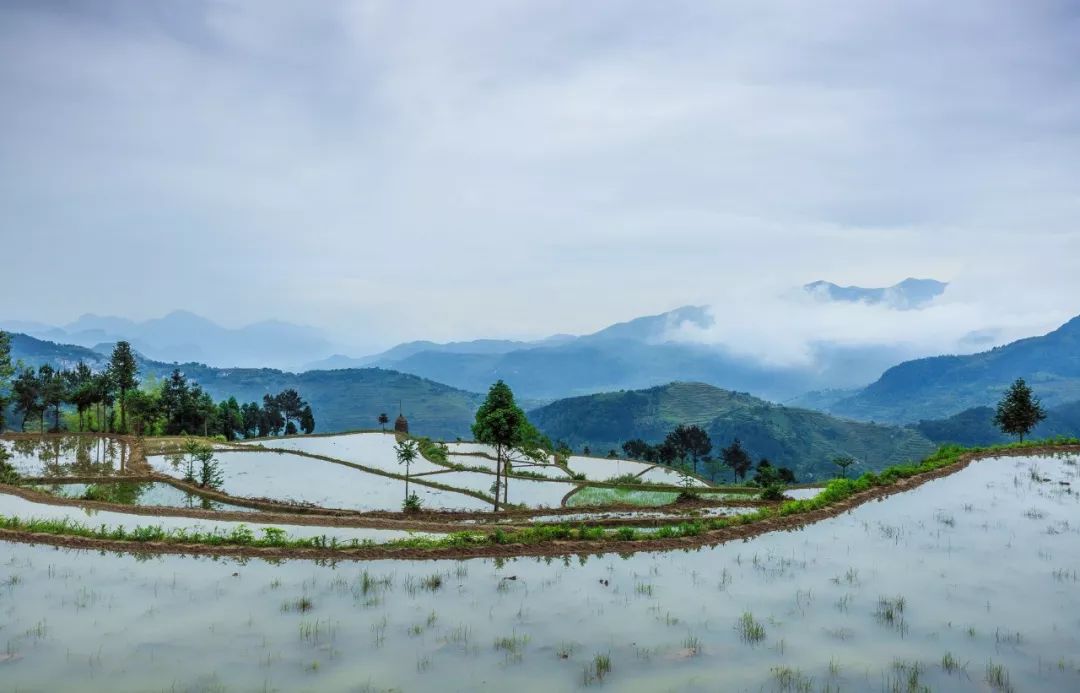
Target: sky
449,170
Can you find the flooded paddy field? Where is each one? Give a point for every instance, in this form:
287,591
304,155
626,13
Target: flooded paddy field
145,493
67,455
14,506
966,583
375,450
297,478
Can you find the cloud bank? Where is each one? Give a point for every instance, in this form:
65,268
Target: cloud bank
400,169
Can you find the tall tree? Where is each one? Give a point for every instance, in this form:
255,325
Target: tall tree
292,406
383,420
736,457
230,418
1019,410
275,419
501,423
53,393
80,385
636,449
143,409
103,397
174,393
252,417
307,420
407,452
690,443
7,370
124,369
26,391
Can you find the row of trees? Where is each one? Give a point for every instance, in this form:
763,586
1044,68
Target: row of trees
112,400
178,406
690,447
7,369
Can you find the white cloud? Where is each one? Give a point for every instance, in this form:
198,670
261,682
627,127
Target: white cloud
448,170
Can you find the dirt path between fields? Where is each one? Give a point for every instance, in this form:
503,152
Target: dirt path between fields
547,548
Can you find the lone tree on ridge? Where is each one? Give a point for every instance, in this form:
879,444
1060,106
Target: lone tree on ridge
1019,411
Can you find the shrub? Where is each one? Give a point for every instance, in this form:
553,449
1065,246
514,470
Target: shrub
412,504
773,492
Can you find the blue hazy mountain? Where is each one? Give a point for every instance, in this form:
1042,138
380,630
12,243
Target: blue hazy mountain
942,386
638,353
906,295
182,336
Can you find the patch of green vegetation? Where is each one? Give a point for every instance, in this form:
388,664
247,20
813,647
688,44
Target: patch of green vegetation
593,495
750,630
597,669
434,451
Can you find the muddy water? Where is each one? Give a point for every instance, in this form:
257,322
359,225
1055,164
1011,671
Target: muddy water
985,563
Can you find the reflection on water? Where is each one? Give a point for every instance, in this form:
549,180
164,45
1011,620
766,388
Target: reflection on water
74,455
145,493
965,579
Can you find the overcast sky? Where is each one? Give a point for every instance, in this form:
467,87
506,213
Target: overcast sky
392,170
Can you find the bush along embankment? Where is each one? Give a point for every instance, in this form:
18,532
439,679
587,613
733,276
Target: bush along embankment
838,496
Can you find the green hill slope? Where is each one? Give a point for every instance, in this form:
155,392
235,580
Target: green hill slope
976,426
942,386
804,440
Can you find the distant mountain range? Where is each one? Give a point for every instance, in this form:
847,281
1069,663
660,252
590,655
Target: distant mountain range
634,354
941,386
807,441
909,294
800,438
638,353
182,336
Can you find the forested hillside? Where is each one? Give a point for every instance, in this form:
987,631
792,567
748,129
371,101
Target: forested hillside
807,441
942,386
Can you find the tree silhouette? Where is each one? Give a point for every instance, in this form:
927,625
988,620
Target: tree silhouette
7,369
843,462
736,457
383,420
123,369
690,443
307,420
406,453
1019,410
500,422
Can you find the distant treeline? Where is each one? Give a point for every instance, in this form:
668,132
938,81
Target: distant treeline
690,447
113,400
